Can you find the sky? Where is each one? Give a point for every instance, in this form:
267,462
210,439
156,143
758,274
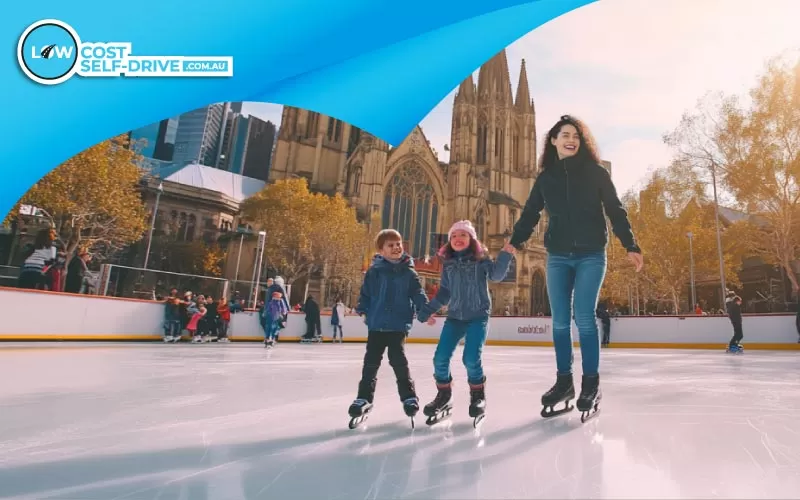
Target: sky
631,68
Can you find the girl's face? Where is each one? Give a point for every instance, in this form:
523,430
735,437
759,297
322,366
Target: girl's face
567,142
460,240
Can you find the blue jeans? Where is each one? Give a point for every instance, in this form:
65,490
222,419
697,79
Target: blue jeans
172,328
453,331
575,280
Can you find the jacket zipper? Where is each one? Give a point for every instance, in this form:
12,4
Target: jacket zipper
569,207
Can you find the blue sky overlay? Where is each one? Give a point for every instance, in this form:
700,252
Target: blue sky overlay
629,72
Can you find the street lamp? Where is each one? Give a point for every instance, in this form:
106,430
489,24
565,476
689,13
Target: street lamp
159,191
691,269
719,237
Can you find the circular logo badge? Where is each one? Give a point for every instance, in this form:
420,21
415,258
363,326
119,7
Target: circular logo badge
48,52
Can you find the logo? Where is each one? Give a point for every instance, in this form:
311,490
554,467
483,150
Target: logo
50,52
533,329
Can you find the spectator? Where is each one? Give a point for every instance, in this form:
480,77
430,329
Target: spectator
76,273
313,323
38,257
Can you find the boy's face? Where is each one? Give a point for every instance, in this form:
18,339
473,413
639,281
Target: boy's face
392,249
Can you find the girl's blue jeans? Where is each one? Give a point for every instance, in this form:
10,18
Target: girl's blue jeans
475,332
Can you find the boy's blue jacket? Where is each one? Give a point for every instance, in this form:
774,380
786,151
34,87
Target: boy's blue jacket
464,286
389,295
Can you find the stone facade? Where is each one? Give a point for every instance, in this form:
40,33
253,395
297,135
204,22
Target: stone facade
491,171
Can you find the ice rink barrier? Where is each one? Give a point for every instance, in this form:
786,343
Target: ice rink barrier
35,315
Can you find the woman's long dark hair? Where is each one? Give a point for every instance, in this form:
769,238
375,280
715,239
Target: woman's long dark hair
587,150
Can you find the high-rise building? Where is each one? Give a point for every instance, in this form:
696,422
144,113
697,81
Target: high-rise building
236,107
247,146
144,139
198,136
165,144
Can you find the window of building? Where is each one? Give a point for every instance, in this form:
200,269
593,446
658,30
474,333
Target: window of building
410,206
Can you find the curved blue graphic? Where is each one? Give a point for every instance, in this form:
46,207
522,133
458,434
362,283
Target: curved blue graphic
380,65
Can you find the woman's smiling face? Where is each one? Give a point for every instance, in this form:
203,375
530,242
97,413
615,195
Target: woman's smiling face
567,142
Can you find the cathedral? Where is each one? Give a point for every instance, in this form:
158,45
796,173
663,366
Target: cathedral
491,171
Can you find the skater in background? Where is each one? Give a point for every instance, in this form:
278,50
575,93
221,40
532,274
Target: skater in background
337,318
390,294
577,193
734,305
313,322
605,321
274,311
224,311
193,323
464,288
37,257
172,317
209,324
77,268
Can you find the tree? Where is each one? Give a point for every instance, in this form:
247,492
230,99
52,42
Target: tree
669,207
305,230
754,148
93,198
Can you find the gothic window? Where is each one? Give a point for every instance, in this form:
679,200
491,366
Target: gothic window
482,129
516,153
312,124
480,223
353,181
410,206
331,122
337,131
190,227
355,136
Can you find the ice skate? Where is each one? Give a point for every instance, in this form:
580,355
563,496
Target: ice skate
589,399
411,408
477,403
359,411
735,349
562,391
168,339
440,407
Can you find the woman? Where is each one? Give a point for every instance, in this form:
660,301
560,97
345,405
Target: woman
575,190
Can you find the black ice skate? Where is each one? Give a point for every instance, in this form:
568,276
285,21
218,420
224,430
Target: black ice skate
562,391
477,403
589,399
441,406
411,408
359,411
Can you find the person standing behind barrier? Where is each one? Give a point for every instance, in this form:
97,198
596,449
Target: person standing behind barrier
577,193
313,322
76,273
37,258
337,319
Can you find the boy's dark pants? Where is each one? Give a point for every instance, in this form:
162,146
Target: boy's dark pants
738,333
377,342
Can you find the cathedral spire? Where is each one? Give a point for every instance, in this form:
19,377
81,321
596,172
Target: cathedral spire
466,91
493,79
523,100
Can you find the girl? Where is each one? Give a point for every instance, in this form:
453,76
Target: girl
337,319
577,193
224,319
192,325
274,311
464,288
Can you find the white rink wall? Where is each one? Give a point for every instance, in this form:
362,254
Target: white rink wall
35,315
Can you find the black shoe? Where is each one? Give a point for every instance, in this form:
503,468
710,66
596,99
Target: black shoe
441,401
589,399
477,399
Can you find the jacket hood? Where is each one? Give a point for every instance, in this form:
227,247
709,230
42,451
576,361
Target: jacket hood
381,262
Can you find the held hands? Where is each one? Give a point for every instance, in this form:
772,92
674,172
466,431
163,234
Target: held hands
508,248
637,260
431,321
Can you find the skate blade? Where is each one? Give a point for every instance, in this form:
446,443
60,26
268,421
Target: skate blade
589,414
439,416
549,411
357,421
478,421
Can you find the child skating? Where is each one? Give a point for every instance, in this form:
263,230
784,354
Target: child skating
734,306
464,288
274,312
390,293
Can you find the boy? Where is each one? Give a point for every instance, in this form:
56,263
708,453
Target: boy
389,295
734,306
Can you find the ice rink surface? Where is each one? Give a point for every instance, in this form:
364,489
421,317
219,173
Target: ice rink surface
195,422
